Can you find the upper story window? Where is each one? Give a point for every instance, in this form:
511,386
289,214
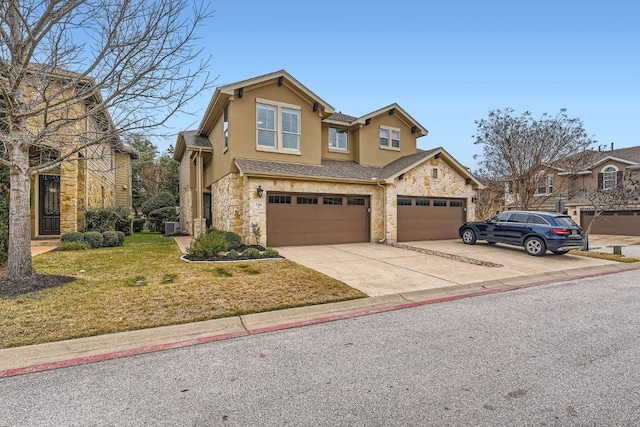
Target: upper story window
338,139
278,126
608,177
546,186
389,138
225,126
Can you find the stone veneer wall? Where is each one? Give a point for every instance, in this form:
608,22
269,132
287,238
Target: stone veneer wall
227,204
186,207
255,209
420,182
68,197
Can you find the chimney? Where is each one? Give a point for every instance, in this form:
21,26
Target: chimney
612,146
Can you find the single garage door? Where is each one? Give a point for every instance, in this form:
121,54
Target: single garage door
426,218
623,223
313,219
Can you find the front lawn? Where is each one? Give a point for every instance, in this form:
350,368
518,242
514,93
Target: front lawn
144,284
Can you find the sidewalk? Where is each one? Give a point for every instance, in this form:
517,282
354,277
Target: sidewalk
41,357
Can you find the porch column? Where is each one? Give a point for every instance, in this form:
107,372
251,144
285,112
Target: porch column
199,222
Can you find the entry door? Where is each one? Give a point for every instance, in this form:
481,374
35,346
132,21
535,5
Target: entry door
49,204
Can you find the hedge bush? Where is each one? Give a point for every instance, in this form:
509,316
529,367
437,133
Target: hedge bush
72,237
93,239
161,200
138,224
121,237
109,239
208,244
234,241
108,219
270,253
251,253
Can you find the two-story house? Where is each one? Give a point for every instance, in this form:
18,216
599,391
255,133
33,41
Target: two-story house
599,171
271,153
96,171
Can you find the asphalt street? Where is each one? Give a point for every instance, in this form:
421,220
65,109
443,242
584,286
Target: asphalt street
554,355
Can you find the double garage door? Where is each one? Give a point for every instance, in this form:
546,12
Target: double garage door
624,223
427,218
313,219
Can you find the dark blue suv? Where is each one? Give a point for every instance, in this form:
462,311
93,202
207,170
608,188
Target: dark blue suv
533,230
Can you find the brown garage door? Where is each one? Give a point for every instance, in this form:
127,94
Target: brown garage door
624,223
423,218
313,219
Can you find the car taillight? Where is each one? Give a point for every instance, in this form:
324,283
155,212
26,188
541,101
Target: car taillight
560,231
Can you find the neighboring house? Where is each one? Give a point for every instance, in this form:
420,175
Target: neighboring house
99,175
269,152
605,170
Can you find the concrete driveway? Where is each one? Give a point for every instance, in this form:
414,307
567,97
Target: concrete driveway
378,269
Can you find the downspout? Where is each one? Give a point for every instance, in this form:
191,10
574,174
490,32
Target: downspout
384,212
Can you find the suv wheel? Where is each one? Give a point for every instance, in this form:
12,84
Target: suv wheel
469,236
535,246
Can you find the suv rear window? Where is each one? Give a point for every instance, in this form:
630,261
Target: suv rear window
535,219
565,221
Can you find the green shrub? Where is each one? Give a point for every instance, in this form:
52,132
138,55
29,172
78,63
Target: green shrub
158,217
73,246
93,239
161,200
121,237
270,253
108,219
138,224
233,254
74,236
110,239
251,253
208,245
234,241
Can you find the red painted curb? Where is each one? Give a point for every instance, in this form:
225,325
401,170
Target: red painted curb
297,324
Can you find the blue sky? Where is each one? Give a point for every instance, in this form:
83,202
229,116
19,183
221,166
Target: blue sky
447,63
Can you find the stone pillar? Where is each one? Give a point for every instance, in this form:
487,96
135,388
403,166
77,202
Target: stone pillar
68,197
199,227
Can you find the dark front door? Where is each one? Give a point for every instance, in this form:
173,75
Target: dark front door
49,205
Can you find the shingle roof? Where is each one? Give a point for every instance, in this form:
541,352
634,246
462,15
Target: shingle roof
332,169
339,117
192,139
631,153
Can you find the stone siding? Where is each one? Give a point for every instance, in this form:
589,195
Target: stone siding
186,207
227,202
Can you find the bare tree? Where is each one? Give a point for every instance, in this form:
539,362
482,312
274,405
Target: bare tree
129,64
522,150
490,198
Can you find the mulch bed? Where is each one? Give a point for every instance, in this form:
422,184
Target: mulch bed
10,288
241,249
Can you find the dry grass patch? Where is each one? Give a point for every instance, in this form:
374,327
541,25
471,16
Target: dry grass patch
144,284
602,255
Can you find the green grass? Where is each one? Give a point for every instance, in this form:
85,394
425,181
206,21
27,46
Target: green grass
144,284
602,255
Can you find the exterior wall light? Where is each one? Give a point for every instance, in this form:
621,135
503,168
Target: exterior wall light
474,199
259,191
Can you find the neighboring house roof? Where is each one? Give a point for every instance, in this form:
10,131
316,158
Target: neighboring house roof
190,140
344,170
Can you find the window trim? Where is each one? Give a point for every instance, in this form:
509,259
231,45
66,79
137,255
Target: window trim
390,138
549,184
337,149
612,170
279,106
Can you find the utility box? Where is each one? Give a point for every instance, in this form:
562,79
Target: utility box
171,227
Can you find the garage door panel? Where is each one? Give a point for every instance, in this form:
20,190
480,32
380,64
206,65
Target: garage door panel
300,223
624,223
429,218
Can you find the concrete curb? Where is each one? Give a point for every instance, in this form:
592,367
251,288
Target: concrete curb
42,357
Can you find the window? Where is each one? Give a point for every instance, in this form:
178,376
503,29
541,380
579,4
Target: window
422,202
535,219
338,139
278,126
546,186
609,177
332,200
434,173
280,200
225,126
455,203
389,138
439,203
355,201
517,217
404,202
307,200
